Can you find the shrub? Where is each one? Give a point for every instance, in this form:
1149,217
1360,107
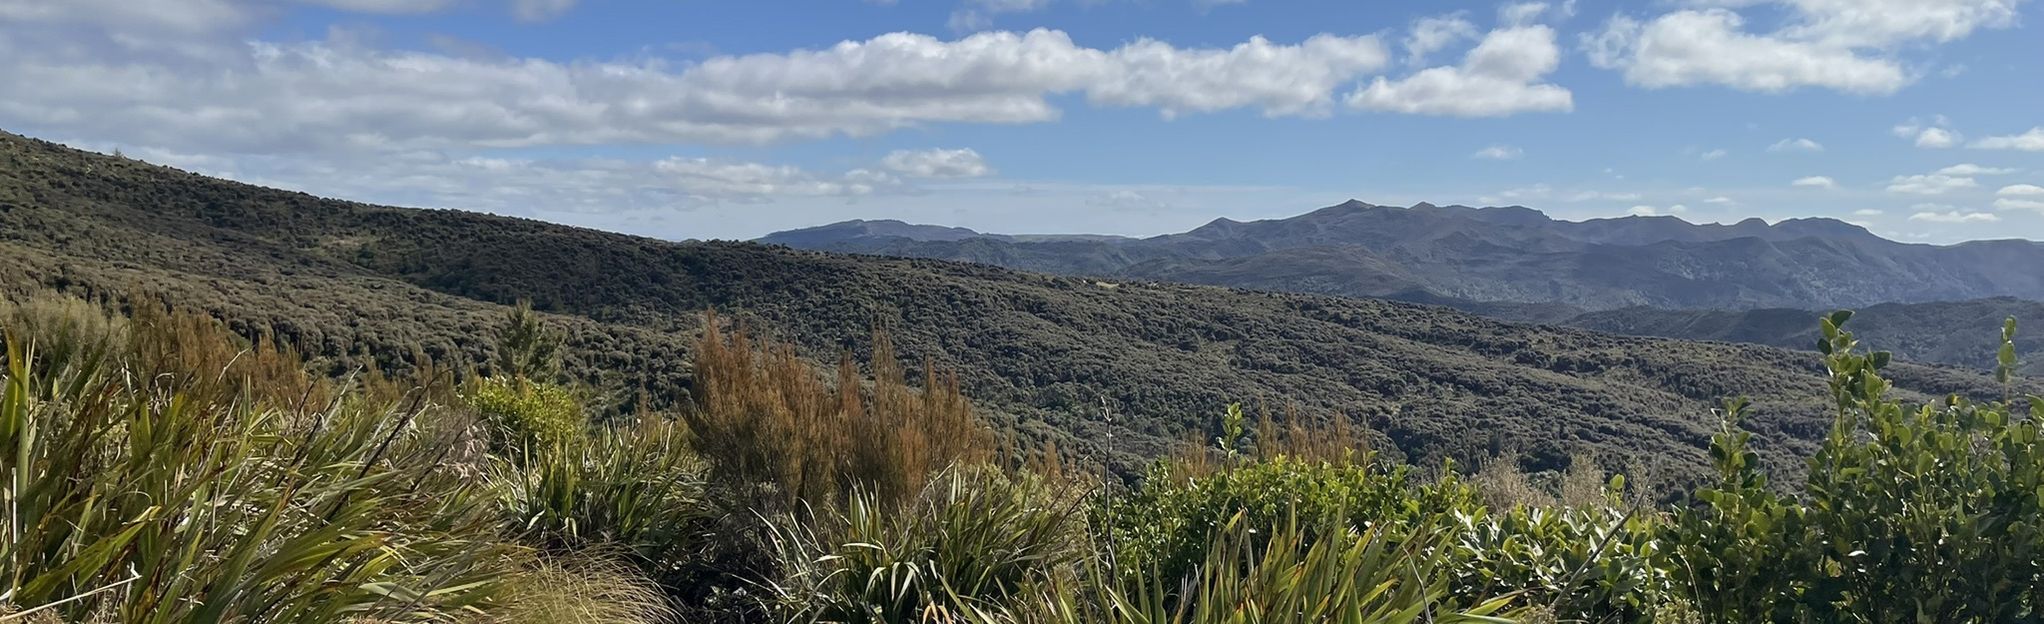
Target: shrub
763,416
147,493
635,489
527,414
1287,573
1926,514
975,543
1170,524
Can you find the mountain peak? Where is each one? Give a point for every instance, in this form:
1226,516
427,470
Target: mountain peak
869,228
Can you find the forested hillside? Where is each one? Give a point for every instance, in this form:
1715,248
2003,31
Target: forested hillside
349,284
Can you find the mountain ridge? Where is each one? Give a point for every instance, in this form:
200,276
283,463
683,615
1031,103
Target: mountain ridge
1514,254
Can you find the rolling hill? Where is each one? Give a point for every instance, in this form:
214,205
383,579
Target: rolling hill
351,284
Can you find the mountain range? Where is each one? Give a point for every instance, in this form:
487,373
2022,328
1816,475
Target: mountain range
1749,281
1108,369
1510,254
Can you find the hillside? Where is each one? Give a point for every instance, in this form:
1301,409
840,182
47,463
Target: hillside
348,283
1512,255
1926,332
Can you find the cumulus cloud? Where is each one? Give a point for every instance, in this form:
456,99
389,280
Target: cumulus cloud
1822,182
1868,212
1499,152
1517,13
937,163
2032,141
1955,216
1431,34
1843,45
1713,154
196,86
1930,184
1796,145
1500,76
1970,169
1721,201
1279,79
2020,197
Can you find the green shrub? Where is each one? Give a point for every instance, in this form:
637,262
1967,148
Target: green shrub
1581,564
152,503
525,413
635,490
1170,524
1289,572
975,543
1908,515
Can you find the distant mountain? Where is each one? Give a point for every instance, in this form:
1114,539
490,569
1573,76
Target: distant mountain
1513,255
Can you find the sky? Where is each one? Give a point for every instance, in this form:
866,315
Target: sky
1922,120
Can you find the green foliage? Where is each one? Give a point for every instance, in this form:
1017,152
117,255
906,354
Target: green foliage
526,348
1289,572
1909,515
975,544
527,413
1588,564
1170,525
636,489
158,505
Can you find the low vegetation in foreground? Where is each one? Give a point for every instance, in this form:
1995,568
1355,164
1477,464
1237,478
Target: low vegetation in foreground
156,467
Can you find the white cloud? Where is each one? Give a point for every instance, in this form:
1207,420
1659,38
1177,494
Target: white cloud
1714,154
2021,190
1867,212
1721,201
2032,141
1431,34
1279,79
1937,138
217,92
1127,200
2010,203
1650,211
1970,169
979,14
1499,152
1844,45
1815,182
707,178
1583,196
1931,184
1498,77
1954,216
540,10
937,163
1518,13
1796,145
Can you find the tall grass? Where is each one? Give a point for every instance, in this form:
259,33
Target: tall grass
764,416
143,484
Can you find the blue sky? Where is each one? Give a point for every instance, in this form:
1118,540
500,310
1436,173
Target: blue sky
1921,119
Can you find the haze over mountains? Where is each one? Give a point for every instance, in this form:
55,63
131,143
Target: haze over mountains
1502,255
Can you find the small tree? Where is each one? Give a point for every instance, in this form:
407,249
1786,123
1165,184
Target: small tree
526,347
